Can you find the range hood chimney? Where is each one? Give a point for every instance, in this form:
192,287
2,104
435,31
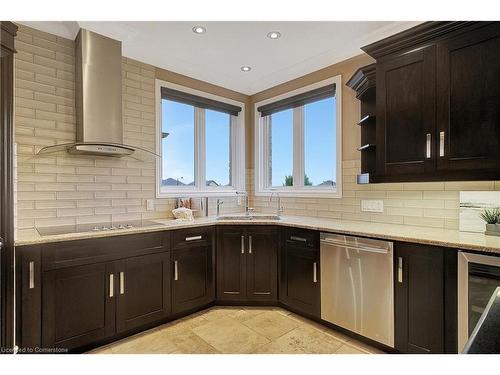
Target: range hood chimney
98,75
99,128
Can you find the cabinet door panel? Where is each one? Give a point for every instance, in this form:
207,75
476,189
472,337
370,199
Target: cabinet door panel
29,297
262,263
298,288
231,280
193,278
143,285
78,308
419,299
468,92
406,113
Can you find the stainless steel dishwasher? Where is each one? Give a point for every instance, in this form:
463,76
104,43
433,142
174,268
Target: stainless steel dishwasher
357,285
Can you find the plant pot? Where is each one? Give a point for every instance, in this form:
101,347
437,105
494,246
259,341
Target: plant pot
492,230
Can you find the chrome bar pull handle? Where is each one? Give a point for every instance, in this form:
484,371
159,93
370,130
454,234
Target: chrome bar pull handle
122,282
400,270
193,238
249,244
428,145
32,275
441,144
299,239
315,272
176,270
111,285
243,244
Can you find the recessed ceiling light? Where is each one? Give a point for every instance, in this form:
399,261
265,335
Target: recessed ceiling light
245,68
199,30
273,35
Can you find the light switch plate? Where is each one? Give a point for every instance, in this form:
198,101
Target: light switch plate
372,205
150,205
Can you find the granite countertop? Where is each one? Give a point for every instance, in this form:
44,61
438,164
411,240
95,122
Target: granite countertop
432,236
485,338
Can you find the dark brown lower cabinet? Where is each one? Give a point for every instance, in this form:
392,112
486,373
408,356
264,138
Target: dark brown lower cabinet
193,277
425,277
261,263
247,265
78,307
142,288
231,278
299,257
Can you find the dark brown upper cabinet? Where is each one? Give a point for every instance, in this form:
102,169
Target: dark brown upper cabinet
437,113
469,97
406,113
247,265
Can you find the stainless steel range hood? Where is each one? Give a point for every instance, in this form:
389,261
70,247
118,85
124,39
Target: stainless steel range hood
98,75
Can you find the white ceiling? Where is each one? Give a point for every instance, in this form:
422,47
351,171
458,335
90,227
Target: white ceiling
217,55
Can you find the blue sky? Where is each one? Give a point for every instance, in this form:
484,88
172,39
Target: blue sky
319,141
178,147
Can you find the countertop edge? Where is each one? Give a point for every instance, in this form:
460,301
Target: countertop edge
285,221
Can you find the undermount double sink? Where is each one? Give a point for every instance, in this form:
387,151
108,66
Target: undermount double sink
248,217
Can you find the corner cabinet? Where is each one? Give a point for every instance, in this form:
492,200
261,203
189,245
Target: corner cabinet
437,93
247,264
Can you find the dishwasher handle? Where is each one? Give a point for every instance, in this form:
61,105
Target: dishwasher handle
358,248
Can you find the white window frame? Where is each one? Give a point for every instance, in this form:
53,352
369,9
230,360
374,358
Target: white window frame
261,144
237,145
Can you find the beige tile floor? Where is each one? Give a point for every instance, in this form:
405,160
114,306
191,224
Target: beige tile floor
239,330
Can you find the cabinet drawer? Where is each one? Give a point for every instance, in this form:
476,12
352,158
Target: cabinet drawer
192,237
297,237
96,250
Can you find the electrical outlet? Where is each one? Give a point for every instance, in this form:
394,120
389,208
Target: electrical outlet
150,205
372,205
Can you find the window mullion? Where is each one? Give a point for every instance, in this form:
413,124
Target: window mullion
200,155
264,144
298,147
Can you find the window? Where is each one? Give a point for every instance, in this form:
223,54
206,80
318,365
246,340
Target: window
218,148
200,141
298,142
177,144
280,148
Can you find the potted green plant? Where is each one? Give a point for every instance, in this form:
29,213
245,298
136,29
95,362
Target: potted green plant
491,217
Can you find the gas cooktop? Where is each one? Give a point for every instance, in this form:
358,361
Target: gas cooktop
94,227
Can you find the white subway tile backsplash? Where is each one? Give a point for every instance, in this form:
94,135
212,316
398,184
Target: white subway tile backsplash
66,189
